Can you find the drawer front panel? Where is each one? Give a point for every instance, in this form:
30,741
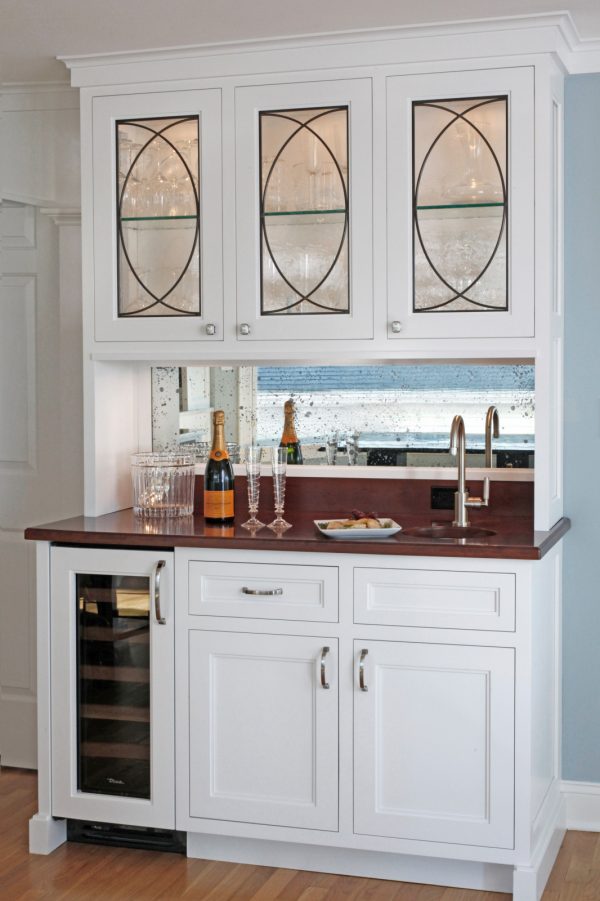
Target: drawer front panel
263,590
436,599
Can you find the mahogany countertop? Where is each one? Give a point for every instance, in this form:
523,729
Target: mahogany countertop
514,536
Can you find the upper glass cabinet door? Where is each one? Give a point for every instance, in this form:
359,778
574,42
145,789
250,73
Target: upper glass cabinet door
460,205
304,213
158,217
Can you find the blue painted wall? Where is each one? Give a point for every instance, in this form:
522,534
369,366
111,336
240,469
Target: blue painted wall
581,623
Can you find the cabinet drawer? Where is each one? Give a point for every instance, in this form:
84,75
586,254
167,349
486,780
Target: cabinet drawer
437,599
263,590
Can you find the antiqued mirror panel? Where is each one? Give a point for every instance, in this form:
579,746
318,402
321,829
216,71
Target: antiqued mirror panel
370,415
158,217
304,211
460,205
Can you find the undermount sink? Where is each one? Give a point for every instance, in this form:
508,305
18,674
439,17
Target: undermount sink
448,531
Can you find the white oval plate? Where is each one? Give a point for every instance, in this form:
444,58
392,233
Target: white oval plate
390,528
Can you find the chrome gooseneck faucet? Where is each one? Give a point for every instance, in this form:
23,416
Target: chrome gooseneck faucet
492,430
462,501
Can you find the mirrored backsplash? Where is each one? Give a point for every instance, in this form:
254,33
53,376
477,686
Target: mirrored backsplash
375,415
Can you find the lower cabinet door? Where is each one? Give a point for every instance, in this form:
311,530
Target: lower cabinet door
264,729
434,742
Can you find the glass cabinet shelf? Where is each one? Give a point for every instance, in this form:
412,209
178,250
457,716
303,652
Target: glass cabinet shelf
458,206
153,218
303,212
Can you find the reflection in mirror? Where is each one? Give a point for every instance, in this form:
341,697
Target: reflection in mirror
379,415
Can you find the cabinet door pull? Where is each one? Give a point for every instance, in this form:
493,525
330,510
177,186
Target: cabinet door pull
324,682
396,326
361,670
262,591
157,573
244,329
211,328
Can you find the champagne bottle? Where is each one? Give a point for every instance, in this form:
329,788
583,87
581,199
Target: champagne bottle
289,438
218,476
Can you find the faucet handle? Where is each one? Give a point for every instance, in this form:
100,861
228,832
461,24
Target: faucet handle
480,501
486,491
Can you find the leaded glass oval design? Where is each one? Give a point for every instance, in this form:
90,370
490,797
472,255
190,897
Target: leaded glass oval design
158,217
460,205
304,211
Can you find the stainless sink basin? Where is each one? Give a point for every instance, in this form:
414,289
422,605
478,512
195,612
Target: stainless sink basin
448,532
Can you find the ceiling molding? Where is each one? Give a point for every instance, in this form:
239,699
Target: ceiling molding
554,33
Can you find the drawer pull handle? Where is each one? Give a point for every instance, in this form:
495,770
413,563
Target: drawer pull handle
262,591
361,670
324,682
157,573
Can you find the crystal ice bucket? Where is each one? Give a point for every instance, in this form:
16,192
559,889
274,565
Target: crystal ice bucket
163,484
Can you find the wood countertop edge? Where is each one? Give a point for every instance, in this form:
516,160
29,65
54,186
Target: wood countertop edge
542,543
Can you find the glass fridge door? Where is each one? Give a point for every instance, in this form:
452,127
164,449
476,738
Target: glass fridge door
113,684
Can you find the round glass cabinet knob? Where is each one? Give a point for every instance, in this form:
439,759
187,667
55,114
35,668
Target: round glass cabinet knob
244,329
396,326
211,328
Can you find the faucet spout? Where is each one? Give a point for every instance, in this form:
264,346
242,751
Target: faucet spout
462,502
492,430
457,449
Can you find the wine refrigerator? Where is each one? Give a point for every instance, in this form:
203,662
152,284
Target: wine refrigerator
114,692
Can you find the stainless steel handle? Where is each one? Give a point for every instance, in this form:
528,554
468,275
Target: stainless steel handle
262,591
324,682
396,326
211,328
157,573
244,329
361,670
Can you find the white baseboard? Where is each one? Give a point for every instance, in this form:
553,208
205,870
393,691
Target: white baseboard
351,862
582,800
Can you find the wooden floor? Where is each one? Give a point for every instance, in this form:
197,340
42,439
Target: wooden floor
90,872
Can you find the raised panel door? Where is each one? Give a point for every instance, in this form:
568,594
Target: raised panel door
434,742
263,729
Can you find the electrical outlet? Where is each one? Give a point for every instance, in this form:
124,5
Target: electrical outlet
442,498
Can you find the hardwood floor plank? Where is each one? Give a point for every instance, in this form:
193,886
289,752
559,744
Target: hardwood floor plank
274,885
380,890
314,893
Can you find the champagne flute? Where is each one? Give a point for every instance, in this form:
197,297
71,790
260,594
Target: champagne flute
279,464
253,455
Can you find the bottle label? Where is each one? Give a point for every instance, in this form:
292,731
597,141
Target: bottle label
218,504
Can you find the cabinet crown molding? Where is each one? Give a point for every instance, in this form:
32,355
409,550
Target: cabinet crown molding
537,33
